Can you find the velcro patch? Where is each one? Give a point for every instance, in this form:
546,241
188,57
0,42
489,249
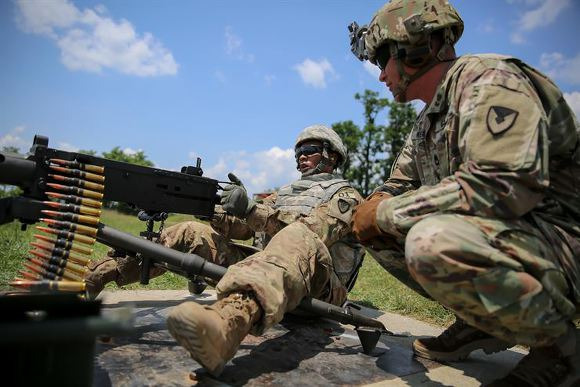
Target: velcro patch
343,206
494,133
500,119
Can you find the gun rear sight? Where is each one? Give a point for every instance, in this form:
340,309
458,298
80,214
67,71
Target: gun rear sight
191,170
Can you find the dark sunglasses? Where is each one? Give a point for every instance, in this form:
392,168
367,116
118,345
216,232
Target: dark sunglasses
383,55
307,150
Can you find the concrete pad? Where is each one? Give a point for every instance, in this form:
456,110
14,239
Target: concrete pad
295,352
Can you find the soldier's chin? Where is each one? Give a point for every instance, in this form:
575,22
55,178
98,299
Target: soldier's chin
307,171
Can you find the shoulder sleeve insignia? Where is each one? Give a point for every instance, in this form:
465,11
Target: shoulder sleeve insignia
343,206
500,119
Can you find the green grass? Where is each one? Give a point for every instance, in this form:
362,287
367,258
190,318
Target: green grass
378,289
375,287
14,247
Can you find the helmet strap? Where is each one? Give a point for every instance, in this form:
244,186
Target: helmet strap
322,164
405,78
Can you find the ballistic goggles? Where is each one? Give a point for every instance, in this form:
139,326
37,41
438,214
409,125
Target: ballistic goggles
307,150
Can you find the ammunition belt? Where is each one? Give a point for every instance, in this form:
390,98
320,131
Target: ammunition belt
60,253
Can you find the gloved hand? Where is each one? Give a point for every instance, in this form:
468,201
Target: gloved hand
235,200
364,218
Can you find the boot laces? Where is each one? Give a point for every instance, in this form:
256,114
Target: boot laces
236,300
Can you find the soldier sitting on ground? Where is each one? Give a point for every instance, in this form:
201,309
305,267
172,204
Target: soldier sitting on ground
482,207
311,253
315,255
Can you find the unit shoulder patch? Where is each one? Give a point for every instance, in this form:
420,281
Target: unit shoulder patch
343,206
499,119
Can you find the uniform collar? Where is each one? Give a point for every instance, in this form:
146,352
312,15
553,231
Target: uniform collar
321,177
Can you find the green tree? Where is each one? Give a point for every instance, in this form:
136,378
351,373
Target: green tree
9,190
401,118
138,158
371,142
351,135
10,149
89,152
374,148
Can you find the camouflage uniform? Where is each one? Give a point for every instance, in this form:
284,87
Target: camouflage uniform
487,201
327,234
312,251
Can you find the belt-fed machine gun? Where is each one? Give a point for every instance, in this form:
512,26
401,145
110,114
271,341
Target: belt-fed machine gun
65,189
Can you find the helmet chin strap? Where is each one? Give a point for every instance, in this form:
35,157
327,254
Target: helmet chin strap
405,78
322,164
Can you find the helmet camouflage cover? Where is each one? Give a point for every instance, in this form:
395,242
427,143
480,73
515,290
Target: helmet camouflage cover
410,22
324,134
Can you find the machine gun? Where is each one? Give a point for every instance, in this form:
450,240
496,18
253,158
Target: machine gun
154,191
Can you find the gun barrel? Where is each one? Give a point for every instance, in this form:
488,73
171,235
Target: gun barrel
188,263
193,264
16,170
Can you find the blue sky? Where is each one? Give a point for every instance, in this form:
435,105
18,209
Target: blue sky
229,81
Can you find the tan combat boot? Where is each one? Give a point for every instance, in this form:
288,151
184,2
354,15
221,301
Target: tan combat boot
212,334
457,342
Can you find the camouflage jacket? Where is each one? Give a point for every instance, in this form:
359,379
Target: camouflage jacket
323,203
498,140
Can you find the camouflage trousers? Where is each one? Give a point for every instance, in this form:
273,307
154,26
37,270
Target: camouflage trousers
201,239
188,237
506,278
294,264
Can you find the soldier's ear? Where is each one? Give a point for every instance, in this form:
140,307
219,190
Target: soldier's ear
334,159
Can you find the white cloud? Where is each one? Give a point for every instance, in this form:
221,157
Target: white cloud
65,146
559,67
314,73
269,78
372,69
220,76
44,19
486,27
234,46
259,171
517,38
573,100
545,14
90,40
130,151
220,169
13,139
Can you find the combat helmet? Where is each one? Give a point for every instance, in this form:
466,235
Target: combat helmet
402,29
331,142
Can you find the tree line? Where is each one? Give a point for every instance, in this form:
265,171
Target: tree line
374,147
